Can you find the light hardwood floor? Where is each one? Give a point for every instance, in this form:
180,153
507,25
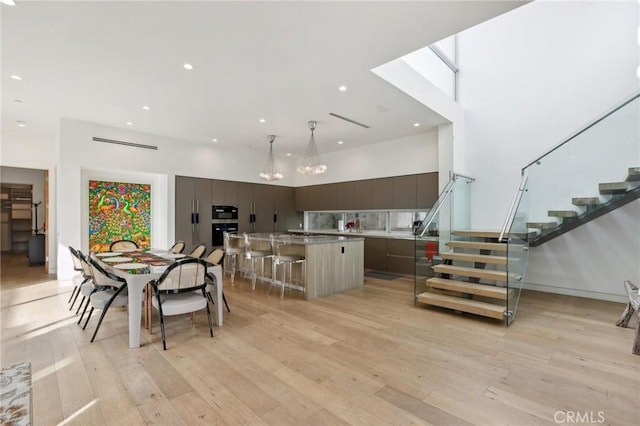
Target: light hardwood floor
364,357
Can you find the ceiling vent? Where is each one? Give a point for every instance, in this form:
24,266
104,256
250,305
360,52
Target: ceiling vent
135,145
349,120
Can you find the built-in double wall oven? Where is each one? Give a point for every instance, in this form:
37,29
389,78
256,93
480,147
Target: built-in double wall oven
224,219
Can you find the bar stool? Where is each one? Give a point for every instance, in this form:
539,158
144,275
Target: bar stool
286,260
251,256
230,255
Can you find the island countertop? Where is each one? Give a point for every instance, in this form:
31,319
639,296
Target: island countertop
311,239
375,234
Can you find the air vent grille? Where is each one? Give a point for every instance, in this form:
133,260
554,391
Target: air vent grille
349,120
132,144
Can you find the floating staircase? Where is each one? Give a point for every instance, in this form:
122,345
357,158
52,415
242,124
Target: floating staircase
472,289
612,196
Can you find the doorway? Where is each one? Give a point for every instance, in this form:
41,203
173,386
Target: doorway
23,219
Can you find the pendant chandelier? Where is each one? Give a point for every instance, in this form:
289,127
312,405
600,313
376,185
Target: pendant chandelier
311,164
269,171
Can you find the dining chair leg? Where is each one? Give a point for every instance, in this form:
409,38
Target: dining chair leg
164,343
73,292
225,301
80,306
88,318
74,299
209,318
104,311
84,311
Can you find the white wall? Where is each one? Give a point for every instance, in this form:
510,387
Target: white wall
405,156
591,261
451,139
532,77
529,79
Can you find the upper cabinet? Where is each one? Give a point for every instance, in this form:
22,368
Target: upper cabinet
224,193
404,192
330,196
408,192
382,194
363,194
344,195
426,190
302,198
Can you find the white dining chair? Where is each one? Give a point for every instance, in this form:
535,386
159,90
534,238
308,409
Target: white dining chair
181,290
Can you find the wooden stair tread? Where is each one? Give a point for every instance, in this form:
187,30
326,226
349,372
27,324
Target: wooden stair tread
471,272
477,233
481,258
477,245
585,201
562,213
471,288
634,174
613,187
464,305
542,225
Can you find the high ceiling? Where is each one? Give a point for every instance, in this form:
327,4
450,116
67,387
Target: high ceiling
280,61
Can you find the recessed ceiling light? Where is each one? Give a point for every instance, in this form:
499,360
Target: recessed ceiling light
21,123
129,123
416,124
188,66
146,108
340,142
262,120
16,77
342,88
288,154
214,140
8,2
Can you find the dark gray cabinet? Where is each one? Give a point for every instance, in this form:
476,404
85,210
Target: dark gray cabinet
302,198
397,192
314,201
330,196
404,192
363,194
224,192
426,190
388,254
245,207
255,207
382,193
284,207
193,211
375,253
400,256
344,196
264,208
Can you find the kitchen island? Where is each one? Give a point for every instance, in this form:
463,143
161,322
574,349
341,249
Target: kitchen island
333,263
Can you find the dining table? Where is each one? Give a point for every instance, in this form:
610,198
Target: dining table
140,267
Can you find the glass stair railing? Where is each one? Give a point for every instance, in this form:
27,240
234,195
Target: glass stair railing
589,174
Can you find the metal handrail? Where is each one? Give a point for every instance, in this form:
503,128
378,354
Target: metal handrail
511,214
441,199
584,129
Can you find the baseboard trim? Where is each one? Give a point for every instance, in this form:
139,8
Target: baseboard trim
621,298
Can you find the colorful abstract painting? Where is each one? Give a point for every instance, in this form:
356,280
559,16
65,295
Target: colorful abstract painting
119,211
